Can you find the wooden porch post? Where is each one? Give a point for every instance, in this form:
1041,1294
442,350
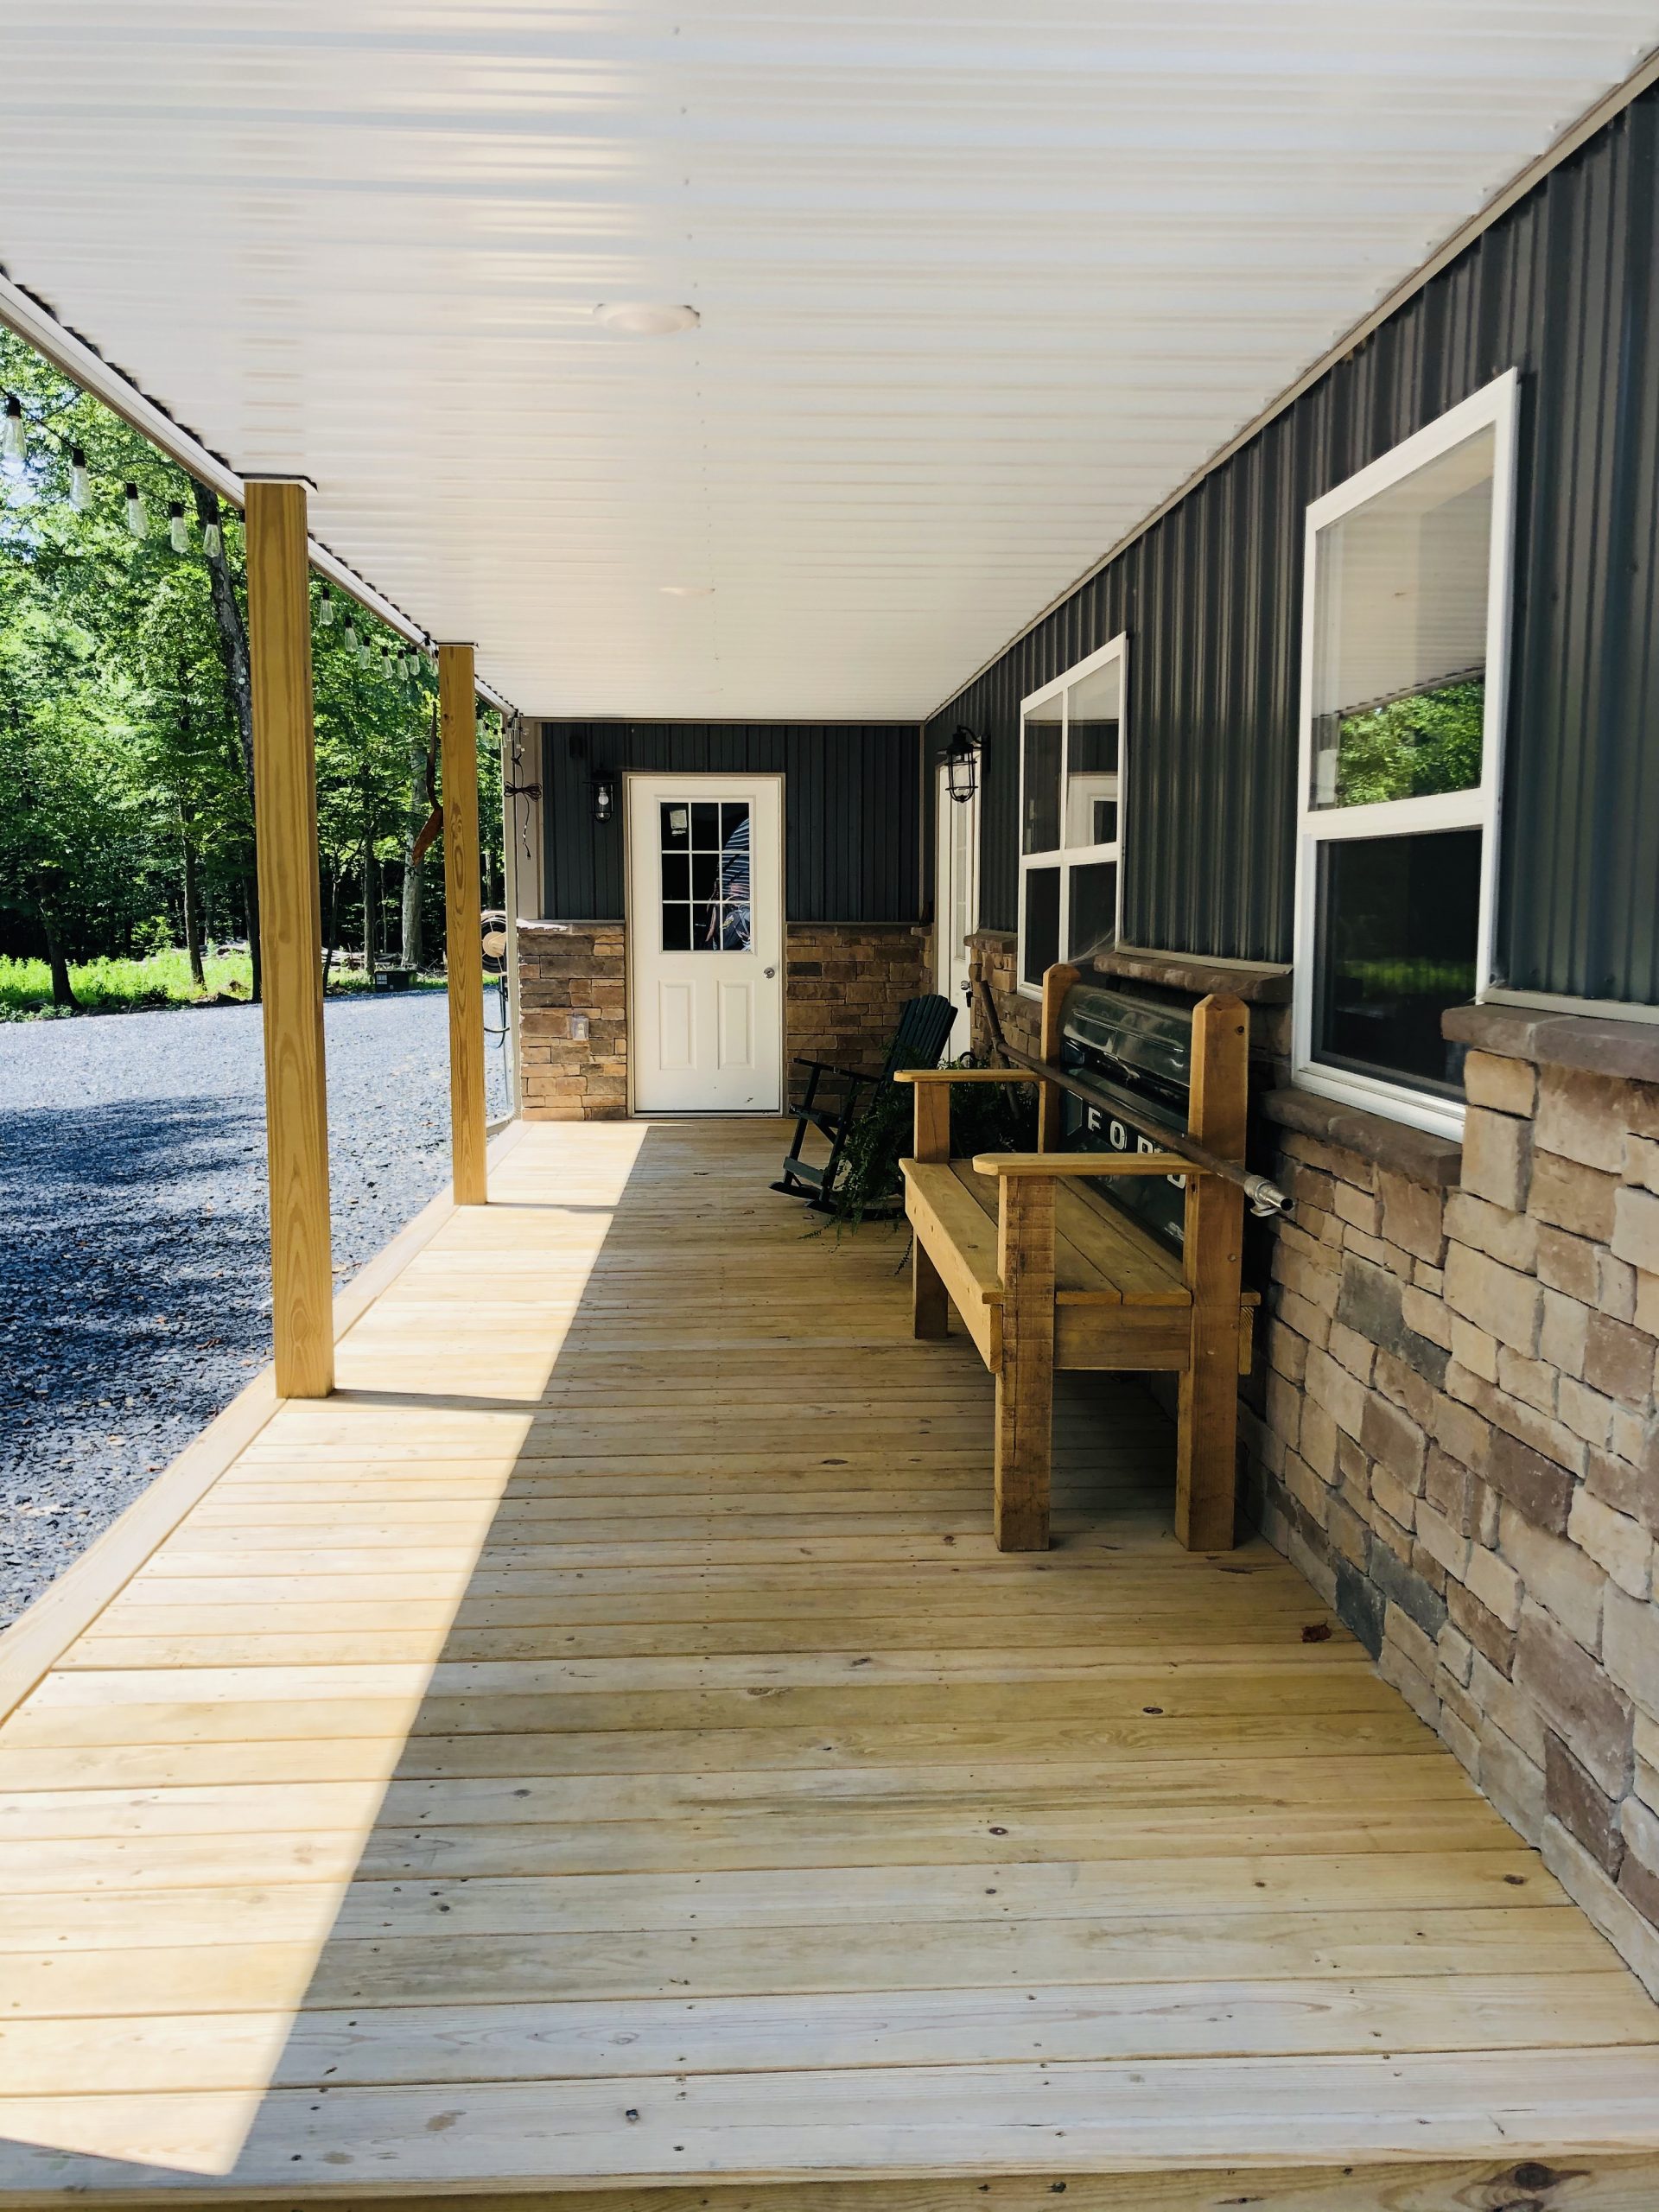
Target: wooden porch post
458,717
290,940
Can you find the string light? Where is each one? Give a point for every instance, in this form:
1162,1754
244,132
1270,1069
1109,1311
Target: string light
398,658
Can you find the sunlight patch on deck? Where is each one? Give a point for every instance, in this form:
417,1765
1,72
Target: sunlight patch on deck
108,1936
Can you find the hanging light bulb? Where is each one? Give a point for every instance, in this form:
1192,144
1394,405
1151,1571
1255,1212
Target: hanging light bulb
137,520
15,448
80,483
325,609
213,537
365,654
177,536
351,636
412,665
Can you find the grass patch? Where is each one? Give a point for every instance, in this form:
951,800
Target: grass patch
161,979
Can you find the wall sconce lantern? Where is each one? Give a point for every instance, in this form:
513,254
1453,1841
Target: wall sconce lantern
604,796
962,764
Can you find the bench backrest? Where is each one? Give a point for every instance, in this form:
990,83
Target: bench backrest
1216,1111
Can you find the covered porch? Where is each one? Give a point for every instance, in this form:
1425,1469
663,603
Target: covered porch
601,1746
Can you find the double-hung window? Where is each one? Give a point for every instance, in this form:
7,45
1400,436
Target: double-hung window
1071,770
1405,641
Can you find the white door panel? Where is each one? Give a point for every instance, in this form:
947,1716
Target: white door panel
706,944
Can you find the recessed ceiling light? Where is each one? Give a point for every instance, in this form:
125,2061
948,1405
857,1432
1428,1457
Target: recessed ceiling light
688,591
645,318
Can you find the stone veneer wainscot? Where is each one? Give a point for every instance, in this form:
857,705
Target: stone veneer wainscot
845,982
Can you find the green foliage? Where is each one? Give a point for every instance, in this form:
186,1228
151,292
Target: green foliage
984,1117
122,738
110,986
1413,748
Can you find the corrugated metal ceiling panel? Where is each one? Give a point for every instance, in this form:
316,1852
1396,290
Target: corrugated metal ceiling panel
978,288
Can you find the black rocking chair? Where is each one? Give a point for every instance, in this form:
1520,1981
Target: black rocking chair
924,1025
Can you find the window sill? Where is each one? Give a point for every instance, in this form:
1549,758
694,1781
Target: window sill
1394,1147
1592,1043
1257,982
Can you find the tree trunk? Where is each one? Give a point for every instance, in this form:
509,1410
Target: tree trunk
371,935
232,635
192,924
412,948
63,991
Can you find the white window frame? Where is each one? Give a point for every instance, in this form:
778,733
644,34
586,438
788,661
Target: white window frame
1066,857
1493,407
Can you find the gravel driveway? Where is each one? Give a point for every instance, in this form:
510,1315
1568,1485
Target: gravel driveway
134,1293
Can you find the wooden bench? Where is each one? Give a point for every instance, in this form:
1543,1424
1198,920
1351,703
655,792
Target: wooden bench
1046,1273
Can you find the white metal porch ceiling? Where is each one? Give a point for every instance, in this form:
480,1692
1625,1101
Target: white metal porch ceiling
980,284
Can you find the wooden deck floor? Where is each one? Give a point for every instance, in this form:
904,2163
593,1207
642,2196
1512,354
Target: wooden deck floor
601,1746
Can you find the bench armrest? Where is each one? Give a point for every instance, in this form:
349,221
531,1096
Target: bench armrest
1084,1163
964,1075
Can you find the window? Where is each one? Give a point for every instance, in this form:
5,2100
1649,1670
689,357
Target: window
704,847
1071,769
1404,646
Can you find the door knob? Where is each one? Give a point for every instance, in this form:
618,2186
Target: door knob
770,972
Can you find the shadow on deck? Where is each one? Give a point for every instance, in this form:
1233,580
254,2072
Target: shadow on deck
601,1745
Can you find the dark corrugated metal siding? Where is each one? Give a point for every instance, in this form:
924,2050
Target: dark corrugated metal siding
852,829
1562,288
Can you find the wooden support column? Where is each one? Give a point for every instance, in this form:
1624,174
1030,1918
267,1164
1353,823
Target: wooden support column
1025,1367
290,940
1051,1099
930,1303
1207,1443
458,720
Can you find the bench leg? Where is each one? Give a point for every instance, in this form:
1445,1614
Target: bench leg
1025,1372
1206,1445
930,1303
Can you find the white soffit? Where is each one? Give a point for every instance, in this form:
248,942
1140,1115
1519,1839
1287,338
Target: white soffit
980,285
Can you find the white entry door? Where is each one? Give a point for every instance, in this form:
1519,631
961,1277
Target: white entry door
956,901
706,944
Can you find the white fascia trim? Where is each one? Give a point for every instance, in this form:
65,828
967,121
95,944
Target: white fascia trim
84,365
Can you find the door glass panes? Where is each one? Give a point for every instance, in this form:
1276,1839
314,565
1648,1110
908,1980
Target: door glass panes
1400,635
1040,830
704,849
1398,923
1093,917
1091,758
1041,936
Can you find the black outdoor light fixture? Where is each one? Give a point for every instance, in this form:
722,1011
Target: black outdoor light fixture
604,795
962,764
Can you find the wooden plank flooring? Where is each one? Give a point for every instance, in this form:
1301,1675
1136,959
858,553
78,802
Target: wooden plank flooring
601,1745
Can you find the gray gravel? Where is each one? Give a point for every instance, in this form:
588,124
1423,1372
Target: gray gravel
134,1295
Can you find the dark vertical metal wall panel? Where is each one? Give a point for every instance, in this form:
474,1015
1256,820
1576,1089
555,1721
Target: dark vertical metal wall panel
852,796
1562,289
